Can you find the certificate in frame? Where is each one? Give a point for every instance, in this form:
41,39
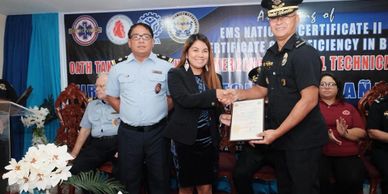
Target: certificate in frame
247,120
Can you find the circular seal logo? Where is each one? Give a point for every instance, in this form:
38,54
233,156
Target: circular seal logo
154,21
117,28
346,112
85,30
183,25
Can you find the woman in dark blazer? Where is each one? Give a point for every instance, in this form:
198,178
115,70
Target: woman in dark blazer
195,87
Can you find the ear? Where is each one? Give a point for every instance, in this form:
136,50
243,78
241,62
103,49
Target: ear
129,43
297,18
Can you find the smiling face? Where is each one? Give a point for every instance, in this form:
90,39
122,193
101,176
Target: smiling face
141,41
284,27
198,56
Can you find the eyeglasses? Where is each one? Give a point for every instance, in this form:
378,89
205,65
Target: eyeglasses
327,85
141,36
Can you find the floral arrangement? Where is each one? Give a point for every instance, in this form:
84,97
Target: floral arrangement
43,167
38,119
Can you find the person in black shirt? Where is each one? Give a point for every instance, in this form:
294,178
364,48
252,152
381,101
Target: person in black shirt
377,125
289,76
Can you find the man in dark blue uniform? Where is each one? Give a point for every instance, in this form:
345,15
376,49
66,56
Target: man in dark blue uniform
377,125
289,77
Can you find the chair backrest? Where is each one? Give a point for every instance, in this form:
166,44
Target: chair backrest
70,107
225,143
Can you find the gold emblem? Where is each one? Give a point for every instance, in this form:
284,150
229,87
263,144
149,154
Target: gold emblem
276,2
283,82
3,87
386,114
285,57
115,122
255,78
267,64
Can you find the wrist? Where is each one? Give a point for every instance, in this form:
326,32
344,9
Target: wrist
346,132
239,95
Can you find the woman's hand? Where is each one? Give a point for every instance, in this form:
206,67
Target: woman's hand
225,119
342,127
333,138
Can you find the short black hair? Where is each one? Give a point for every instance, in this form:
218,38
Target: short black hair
146,26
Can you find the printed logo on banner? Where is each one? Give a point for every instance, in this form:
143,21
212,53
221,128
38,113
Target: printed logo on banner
117,28
153,20
85,30
183,25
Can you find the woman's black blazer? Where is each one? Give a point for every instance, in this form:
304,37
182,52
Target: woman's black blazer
188,105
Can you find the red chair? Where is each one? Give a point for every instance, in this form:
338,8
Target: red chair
70,107
226,157
266,173
227,161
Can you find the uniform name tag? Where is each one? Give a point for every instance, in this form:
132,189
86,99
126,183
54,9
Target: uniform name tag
157,72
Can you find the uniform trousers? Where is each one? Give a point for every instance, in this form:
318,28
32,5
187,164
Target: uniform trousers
249,161
95,152
343,174
380,160
297,170
136,148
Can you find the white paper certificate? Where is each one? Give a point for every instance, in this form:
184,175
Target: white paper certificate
247,120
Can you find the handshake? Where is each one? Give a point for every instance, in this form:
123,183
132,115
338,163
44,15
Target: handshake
228,96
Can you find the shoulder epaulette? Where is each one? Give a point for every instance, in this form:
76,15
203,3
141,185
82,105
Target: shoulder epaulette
168,59
299,43
121,59
253,74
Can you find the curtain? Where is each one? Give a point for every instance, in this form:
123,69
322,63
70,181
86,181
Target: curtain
16,51
43,67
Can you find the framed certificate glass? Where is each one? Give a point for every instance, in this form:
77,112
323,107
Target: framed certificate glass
247,120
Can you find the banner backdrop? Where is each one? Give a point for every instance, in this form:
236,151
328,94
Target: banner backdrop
351,37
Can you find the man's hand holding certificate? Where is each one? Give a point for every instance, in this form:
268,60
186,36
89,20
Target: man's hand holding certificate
247,120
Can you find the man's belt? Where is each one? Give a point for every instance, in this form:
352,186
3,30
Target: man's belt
105,137
144,128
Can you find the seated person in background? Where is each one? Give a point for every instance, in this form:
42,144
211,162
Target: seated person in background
345,126
377,125
101,121
7,92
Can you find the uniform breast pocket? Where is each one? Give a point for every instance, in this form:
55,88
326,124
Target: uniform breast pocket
113,118
95,116
126,81
158,82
